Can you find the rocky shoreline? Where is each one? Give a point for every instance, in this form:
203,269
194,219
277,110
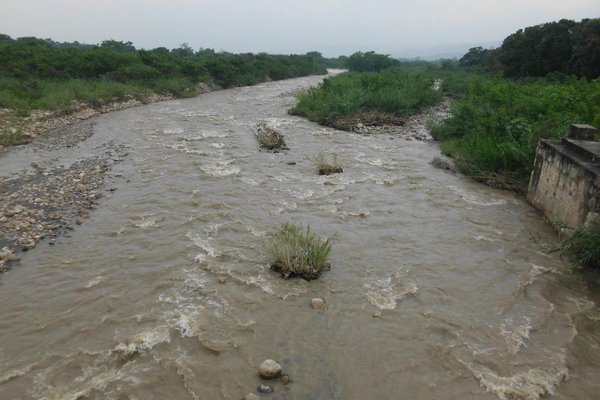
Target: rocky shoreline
45,202
41,121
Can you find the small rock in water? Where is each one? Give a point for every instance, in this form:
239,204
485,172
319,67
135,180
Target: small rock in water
285,379
291,163
269,369
264,389
318,304
251,396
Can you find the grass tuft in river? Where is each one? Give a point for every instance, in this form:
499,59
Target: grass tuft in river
295,251
328,164
269,138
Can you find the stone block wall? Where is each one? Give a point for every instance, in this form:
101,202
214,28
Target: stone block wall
565,182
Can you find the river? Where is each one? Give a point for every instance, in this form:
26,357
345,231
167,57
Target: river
439,288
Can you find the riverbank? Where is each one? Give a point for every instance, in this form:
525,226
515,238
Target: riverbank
27,129
43,203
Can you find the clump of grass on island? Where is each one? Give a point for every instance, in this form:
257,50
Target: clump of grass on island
295,251
328,164
390,94
269,138
583,247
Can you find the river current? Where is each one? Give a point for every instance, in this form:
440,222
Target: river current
439,287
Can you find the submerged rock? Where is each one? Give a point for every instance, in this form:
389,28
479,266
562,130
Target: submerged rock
269,369
264,389
251,396
318,304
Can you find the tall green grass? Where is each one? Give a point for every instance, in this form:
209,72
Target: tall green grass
295,251
583,247
347,94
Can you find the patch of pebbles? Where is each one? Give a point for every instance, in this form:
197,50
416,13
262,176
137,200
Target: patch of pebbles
43,204
413,126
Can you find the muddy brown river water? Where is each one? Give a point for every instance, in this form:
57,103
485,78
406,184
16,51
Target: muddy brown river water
439,288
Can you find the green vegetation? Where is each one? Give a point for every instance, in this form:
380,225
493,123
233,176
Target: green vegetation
554,50
583,247
269,138
36,73
328,164
370,62
496,124
297,252
348,94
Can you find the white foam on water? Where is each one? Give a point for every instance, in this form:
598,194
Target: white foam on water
95,281
531,275
92,380
301,194
172,131
220,169
286,206
203,243
583,304
15,373
384,293
529,385
217,145
481,238
183,148
212,135
385,181
249,181
145,221
353,214
255,232
143,341
515,334
375,162
475,199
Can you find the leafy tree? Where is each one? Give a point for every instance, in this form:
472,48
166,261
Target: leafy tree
370,62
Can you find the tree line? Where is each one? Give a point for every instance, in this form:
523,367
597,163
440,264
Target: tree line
554,50
33,58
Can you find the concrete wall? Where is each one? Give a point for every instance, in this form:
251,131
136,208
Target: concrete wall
565,183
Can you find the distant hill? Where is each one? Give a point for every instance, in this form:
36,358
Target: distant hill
442,51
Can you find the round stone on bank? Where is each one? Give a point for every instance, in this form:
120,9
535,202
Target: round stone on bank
269,369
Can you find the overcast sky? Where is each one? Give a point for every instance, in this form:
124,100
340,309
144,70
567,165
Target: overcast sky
280,26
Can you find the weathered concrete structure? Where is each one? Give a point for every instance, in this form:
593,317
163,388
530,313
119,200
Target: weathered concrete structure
565,182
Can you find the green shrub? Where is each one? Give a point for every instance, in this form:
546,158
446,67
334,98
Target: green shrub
297,252
496,124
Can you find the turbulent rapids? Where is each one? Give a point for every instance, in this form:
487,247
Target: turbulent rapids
439,287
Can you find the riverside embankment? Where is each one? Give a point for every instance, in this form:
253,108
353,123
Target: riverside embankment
438,287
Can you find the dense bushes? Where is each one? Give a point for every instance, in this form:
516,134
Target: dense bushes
369,62
496,125
38,73
555,49
350,93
